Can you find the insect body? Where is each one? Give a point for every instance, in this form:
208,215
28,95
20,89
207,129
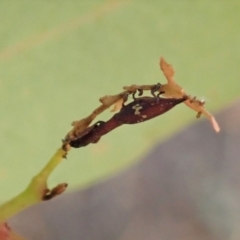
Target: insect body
140,110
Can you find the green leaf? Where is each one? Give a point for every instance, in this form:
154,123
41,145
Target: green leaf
58,58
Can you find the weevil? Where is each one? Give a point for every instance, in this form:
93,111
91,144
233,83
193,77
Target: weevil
140,110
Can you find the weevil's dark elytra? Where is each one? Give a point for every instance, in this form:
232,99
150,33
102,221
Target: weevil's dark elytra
140,110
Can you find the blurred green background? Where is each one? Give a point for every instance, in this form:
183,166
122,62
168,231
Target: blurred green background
57,58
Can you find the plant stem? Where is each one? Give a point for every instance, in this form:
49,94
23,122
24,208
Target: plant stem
34,192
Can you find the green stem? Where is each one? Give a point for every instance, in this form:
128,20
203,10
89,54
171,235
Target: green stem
34,192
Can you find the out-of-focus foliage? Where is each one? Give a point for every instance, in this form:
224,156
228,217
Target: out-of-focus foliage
57,58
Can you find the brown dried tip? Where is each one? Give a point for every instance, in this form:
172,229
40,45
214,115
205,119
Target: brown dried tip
173,90
198,106
116,100
109,100
118,105
79,126
167,69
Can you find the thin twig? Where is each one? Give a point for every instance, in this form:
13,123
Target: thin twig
35,192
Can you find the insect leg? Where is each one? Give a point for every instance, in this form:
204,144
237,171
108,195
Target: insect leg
155,88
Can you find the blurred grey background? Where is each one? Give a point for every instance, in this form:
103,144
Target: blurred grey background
185,188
